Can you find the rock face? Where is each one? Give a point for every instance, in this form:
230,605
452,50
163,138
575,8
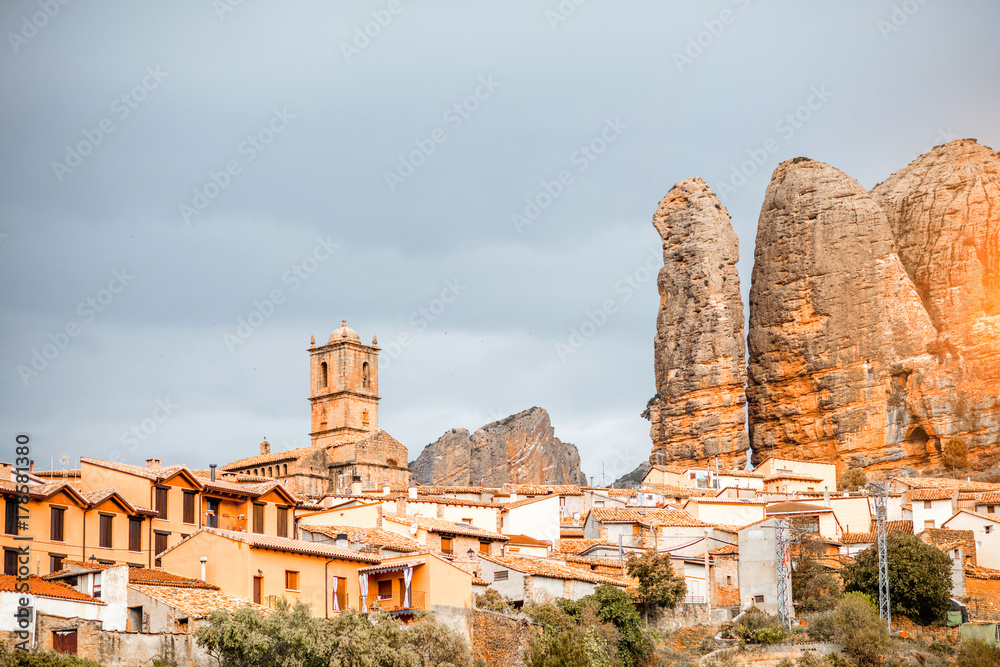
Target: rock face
836,326
698,411
520,449
875,317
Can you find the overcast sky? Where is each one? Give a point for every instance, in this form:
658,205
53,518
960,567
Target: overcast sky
171,168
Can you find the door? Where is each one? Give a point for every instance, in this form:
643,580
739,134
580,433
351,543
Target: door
257,581
64,641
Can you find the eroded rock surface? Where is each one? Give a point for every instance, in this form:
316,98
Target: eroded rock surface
520,449
698,411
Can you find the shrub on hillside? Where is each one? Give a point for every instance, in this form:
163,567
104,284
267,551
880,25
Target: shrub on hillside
976,653
860,629
821,626
757,627
18,658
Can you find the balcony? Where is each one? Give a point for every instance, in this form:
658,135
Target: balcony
394,602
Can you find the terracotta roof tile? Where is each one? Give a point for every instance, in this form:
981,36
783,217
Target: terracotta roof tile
793,477
649,516
523,502
282,544
251,461
872,536
576,546
526,540
725,550
791,506
195,602
442,526
975,572
995,518
442,500
154,474
945,483
44,588
543,489
547,568
932,494
989,498
374,536
147,577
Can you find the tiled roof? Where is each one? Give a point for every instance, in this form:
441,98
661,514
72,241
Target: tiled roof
576,546
525,501
932,494
153,474
628,493
479,581
677,491
872,536
995,518
282,544
727,501
48,589
793,477
437,490
677,470
547,568
442,526
729,528
740,473
147,577
543,489
69,474
195,602
230,476
584,560
946,483
570,531
791,506
974,572
441,500
286,455
252,489
725,550
989,498
526,540
373,536
649,516
392,565
42,491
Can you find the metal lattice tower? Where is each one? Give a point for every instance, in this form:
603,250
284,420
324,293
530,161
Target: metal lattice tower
879,495
781,538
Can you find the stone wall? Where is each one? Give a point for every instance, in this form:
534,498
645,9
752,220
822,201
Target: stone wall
684,615
500,639
984,597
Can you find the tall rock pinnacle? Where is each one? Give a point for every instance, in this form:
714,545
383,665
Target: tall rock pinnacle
698,411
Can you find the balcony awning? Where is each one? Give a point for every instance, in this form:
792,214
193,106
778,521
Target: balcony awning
392,567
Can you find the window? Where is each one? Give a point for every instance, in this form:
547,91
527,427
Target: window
55,563
133,619
134,534
385,589
513,550
106,527
322,375
758,599
286,469
282,522
291,580
161,501
484,547
729,580
212,515
56,524
160,542
467,522
500,575
366,380
987,529
446,545
189,507
989,509
258,518
927,504
929,523
10,525
10,562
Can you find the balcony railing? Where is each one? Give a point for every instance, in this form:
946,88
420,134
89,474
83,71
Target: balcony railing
697,599
394,602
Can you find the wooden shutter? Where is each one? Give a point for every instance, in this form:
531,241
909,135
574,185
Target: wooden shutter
64,641
188,507
258,518
10,525
161,543
134,534
56,527
282,522
106,526
10,562
161,501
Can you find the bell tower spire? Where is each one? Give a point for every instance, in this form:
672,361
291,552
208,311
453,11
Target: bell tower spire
344,386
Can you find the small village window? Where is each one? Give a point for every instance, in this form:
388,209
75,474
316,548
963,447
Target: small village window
501,575
484,547
282,522
286,468
987,529
291,580
55,563
366,380
385,589
258,518
729,580
927,504
990,509
134,534
189,507
323,381
10,561
106,527
160,542
929,523
270,471
56,532
446,545
10,525
758,599
161,501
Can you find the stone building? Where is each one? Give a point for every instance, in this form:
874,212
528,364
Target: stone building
347,444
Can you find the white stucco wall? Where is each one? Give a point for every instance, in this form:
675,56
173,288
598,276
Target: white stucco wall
539,520
987,544
939,512
10,601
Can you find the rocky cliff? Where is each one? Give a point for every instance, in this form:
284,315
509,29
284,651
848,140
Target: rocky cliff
698,411
520,449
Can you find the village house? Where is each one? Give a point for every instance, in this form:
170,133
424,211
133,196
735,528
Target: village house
986,528
56,610
445,537
807,517
366,540
538,517
929,508
263,568
801,475
729,510
539,581
525,545
854,543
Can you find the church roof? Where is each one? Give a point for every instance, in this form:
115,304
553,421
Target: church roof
344,332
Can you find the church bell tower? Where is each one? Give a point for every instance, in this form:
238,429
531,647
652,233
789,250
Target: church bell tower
344,386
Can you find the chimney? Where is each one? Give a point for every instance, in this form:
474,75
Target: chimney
826,496
513,496
31,466
203,560
412,493
327,501
386,490
342,540
265,448
356,485
153,463
211,467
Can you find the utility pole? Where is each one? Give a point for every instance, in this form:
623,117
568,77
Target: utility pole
781,553
880,496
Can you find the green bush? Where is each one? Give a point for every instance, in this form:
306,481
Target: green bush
756,627
809,660
492,600
860,630
18,658
567,648
976,653
821,626
852,480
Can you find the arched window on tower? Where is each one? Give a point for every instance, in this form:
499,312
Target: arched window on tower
323,382
286,468
366,380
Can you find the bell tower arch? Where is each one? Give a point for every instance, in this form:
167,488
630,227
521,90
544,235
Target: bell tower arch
343,386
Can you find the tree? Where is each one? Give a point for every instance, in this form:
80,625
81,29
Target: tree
291,637
852,480
919,577
977,653
657,583
813,588
955,453
860,629
615,606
